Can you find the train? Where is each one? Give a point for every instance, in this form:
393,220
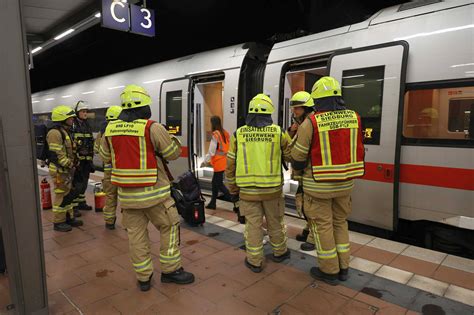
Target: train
408,70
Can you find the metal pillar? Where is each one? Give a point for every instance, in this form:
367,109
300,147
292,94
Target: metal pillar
20,217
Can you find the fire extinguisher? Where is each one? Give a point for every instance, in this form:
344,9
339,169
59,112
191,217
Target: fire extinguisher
46,203
99,197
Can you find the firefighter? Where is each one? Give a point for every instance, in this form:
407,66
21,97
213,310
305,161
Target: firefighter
332,139
301,104
112,114
62,162
131,144
84,139
254,163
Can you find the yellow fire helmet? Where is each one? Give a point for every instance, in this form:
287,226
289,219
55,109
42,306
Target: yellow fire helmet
261,104
326,87
113,112
62,112
134,96
301,98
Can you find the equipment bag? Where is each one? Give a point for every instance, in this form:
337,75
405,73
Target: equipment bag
188,198
42,148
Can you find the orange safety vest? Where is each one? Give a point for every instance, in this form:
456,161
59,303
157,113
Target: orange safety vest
219,160
133,156
337,151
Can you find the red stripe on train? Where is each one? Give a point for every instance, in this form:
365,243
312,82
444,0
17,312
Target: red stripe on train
448,177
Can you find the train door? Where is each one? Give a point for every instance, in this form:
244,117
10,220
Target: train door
372,80
299,77
174,114
206,101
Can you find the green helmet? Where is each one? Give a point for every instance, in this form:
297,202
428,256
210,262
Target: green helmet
326,87
301,98
62,112
134,96
113,112
261,104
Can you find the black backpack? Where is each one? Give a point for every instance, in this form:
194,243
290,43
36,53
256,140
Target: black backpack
42,147
187,195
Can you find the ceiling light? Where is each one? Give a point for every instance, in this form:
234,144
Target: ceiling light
463,65
35,101
97,15
66,96
50,99
116,87
88,92
66,33
36,49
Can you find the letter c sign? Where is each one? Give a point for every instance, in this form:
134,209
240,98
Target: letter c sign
123,16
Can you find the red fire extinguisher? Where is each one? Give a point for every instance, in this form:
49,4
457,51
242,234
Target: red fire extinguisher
99,197
46,203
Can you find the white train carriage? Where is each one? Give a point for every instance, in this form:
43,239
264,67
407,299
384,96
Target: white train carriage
409,72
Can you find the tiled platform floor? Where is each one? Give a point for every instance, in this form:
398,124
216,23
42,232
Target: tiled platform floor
89,272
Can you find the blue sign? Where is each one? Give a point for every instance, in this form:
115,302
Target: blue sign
143,20
116,15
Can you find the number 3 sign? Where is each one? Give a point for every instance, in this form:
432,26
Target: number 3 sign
128,17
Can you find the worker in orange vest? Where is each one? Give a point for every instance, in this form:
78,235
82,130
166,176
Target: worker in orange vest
217,157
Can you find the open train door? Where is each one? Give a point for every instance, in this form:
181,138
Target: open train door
174,114
373,80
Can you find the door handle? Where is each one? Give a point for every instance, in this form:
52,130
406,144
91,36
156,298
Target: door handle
388,173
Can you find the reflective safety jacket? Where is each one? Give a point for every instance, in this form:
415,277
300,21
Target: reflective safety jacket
258,156
62,153
337,151
84,139
219,160
133,156
168,148
107,166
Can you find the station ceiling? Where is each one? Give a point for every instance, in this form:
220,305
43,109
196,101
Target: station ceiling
183,27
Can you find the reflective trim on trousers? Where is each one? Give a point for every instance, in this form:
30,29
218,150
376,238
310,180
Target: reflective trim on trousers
144,196
254,251
165,259
145,265
343,248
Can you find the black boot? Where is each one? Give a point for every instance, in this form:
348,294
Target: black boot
343,274
75,222
84,206
62,227
322,276
303,236
307,247
178,276
110,226
279,259
256,269
145,285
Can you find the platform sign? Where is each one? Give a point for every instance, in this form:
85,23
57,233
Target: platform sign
115,15
143,20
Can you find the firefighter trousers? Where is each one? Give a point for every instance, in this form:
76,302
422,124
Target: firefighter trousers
327,219
62,203
164,217
80,181
254,211
110,199
300,210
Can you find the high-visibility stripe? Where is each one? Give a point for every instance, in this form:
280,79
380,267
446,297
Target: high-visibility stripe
170,150
301,148
231,155
172,240
166,259
339,176
155,193
231,180
145,265
142,146
133,180
136,172
82,135
245,158
252,250
57,209
259,191
343,248
325,148
271,156
260,183
339,167
55,147
310,185
354,145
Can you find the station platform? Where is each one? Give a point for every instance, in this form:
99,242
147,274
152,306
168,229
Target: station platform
89,272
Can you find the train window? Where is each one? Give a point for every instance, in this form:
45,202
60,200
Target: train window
445,113
362,90
41,119
173,112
